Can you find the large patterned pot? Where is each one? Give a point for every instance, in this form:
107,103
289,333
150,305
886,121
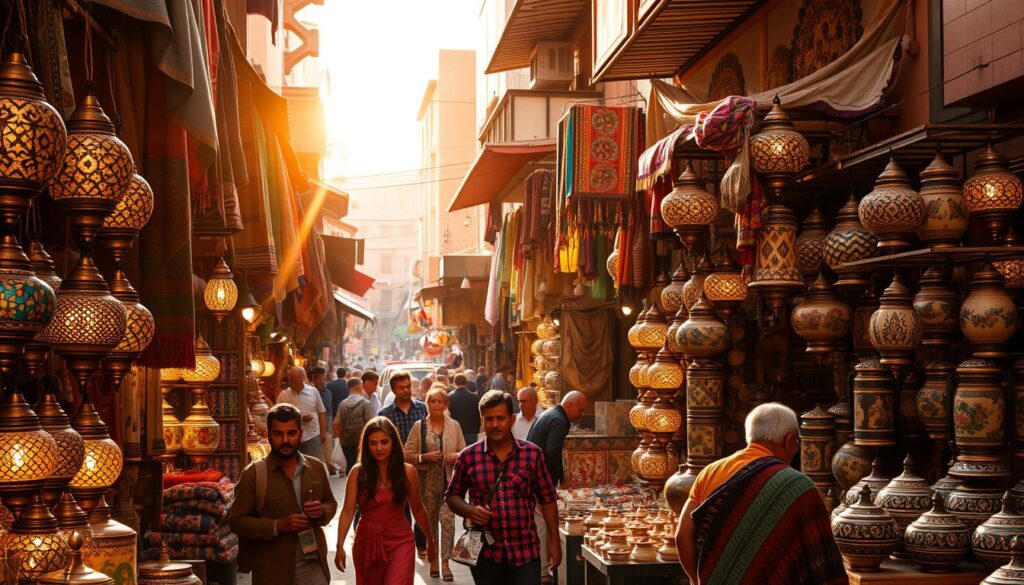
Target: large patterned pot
866,534
937,304
945,219
1011,573
895,327
946,484
822,320
851,463
906,497
809,244
988,317
979,409
974,504
893,211
703,334
874,405
847,242
874,481
933,399
991,540
937,540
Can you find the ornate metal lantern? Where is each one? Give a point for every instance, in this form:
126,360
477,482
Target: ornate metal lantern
221,292
993,193
689,209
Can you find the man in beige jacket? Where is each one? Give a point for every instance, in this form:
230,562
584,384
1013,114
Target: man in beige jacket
282,540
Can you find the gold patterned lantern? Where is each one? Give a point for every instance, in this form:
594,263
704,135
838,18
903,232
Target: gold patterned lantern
993,193
778,151
103,460
651,332
221,292
895,328
776,277
132,212
138,332
695,285
893,210
809,244
546,328
822,320
988,316
28,454
672,295
689,209
268,369
36,539
70,445
1012,269
36,352
537,346
726,287
945,217
937,304
665,373
849,242
207,368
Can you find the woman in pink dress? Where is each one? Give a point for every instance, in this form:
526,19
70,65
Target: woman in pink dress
381,485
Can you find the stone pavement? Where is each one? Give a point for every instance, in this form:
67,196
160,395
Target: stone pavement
460,572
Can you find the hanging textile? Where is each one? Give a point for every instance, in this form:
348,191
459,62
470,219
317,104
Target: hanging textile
493,284
587,351
50,53
268,9
255,249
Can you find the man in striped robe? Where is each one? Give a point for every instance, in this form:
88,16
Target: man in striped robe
752,519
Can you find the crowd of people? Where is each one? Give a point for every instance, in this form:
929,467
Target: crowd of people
464,446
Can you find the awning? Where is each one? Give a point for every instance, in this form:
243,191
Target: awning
529,22
670,35
351,306
345,250
332,199
429,293
491,176
340,257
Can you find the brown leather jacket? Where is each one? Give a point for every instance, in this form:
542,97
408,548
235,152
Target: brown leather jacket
273,557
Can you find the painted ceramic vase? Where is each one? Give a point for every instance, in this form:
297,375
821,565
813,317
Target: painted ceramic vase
677,488
112,548
703,334
875,481
848,242
817,445
840,506
946,484
945,217
937,540
822,320
865,533
893,210
938,305
895,327
851,463
933,399
988,317
694,287
906,497
974,504
809,244
979,411
1011,573
874,405
991,540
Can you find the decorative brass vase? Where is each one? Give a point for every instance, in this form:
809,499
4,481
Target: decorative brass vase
694,287
937,540
991,540
895,328
945,219
893,211
938,306
849,242
988,316
866,534
979,411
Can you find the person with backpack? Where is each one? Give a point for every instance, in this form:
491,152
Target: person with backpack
281,504
352,415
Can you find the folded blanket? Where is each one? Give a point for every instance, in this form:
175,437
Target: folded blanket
215,509
193,523
220,540
210,491
206,553
191,476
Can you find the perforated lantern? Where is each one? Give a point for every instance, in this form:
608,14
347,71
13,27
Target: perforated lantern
672,295
849,242
28,454
207,367
893,211
993,193
138,332
778,151
695,285
1011,268
36,539
221,292
103,459
689,209
70,445
809,244
726,287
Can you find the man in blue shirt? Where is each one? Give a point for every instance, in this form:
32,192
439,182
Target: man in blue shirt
339,389
405,410
464,407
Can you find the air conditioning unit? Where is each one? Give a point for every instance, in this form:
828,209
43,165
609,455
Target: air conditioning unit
551,66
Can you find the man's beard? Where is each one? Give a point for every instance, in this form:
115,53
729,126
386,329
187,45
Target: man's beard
277,451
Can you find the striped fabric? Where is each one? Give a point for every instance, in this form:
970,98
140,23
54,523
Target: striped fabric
766,525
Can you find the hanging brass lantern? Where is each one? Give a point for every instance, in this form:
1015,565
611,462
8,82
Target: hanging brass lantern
207,368
35,537
70,445
689,209
26,302
672,295
988,316
938,306
945,216
103,459
822,320
130,215
221,292
849,242
893,211
809,244
695,285
652,330
201,433
726,288
778,151
895,328
1012,268
36,352
993,193
28,454
138,332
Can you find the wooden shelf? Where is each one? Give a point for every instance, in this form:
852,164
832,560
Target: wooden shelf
910,573
938,256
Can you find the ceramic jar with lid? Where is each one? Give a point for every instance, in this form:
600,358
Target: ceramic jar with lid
847,242
979,409
988,316
895,327
945,217
822,320
1011,573
874,404
946,484
164,572
974,504
874,481
991,540
937,540
668,553
817,444
938,305
851,463
906,497
703,334
893,211
866,534
617,548
597,515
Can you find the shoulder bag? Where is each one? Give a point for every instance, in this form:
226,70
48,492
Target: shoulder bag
471,543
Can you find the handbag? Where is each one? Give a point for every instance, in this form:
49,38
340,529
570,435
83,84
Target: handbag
471,543
425,465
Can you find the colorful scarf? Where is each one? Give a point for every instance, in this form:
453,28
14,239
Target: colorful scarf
766,525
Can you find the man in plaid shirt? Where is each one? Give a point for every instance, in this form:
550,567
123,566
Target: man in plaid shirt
514,556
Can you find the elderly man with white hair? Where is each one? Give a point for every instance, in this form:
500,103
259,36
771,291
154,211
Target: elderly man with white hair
306,398
529,410
751,518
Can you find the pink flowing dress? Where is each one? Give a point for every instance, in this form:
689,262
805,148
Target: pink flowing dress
384,551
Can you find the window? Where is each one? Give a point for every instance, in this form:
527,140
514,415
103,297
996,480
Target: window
385,264
384,300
